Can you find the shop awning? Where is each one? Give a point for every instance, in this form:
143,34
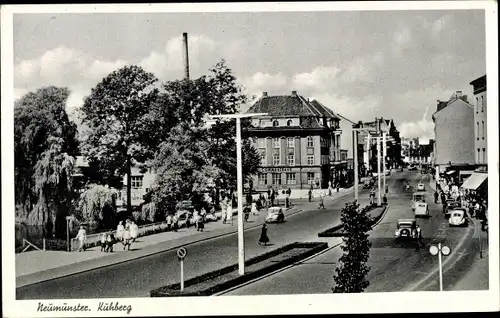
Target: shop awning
474,181
450,172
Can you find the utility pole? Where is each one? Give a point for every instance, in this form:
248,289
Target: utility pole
355,151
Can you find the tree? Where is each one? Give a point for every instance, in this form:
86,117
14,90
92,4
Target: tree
44,146
96,205
350,277
115,114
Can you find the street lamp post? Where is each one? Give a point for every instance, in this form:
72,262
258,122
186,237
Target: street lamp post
439,251
378,171
384,156
355,151
239,177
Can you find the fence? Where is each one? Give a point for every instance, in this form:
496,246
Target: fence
27,244
95,239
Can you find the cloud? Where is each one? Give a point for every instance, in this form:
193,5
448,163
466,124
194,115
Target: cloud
319,79
424,129
263,82
351,107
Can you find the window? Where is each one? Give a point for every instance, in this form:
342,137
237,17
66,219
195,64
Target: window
262,152
482,104
290,178
477,105
310,178
338,140
290,142
477,134
276,178
484,156
290,160
310,142
276,123
276,143
289,122
478,155
276,157
262,179
483,129
261,143
323,142
136,182
310,160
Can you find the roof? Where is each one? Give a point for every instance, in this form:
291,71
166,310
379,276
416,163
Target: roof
452,100
479,81
290,105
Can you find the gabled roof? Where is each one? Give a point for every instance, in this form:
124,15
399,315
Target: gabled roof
291,105
452,100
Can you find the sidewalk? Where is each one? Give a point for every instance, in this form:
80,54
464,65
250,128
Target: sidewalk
37,266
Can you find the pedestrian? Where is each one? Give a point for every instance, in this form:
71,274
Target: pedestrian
134,231
110,241
103,241
384,199
175,222
338,186
81,237
200,225
255,207
321,201
119,231
310,195
126,236
436,197
169,222
419,237
264,239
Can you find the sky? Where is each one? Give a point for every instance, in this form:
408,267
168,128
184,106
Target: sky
361,64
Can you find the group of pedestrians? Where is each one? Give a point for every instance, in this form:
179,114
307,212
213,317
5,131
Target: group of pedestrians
125,233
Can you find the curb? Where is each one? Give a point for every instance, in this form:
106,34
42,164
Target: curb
173,290
137,257
334,231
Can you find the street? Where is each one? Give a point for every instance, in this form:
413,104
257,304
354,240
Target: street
393,267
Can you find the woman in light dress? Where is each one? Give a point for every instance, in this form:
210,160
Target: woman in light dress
119,231
81,237
126,236
134,231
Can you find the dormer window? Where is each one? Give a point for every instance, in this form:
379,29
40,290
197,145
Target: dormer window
276,123
289,122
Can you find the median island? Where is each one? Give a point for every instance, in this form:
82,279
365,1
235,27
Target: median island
228,277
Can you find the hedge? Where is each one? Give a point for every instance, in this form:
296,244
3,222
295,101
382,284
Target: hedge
190,284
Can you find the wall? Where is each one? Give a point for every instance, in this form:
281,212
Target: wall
455,134
480,117
346,137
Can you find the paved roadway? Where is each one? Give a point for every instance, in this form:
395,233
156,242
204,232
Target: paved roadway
394,267
135,278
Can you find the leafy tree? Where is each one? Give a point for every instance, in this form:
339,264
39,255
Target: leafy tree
350,277
115,114
44,146
96,205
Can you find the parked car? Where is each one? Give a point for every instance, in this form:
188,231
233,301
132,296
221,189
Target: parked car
211,217
417,198
422,209
275,214
406,229
458,217
421,187
450,206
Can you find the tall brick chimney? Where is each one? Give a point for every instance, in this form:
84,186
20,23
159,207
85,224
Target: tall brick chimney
294,93
264,94
185,55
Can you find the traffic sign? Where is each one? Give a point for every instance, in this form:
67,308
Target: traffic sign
434,250
445,250
181,252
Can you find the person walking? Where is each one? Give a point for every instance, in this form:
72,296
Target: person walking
200,224
310,195
81,237
119,231
126,236
175,223
321,201
103,241
384,199
436,197
169,222
264,239
110,241
134,231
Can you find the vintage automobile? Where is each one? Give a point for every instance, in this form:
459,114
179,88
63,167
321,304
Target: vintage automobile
211,217
400,169
421,187
450,206
388,172
275,214
422,209
458,217
407,229
417,197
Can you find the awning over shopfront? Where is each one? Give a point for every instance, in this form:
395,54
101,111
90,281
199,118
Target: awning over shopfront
474,181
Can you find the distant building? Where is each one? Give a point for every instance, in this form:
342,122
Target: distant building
298,141
480,122
454,133
393,157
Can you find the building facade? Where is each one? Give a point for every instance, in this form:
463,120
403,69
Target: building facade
480,122
297,141
393,156
454,133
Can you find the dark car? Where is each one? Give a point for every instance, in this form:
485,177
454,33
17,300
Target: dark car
450,206
407,229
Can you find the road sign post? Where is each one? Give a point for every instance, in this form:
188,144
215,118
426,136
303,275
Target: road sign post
181,254
439,251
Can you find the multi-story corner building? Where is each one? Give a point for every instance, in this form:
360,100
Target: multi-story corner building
454,135
297,140
480,122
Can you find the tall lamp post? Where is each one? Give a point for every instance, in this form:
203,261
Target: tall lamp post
355,132
239,175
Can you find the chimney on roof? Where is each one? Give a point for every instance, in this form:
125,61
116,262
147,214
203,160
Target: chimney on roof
264,94
185,55
294,93
458,94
